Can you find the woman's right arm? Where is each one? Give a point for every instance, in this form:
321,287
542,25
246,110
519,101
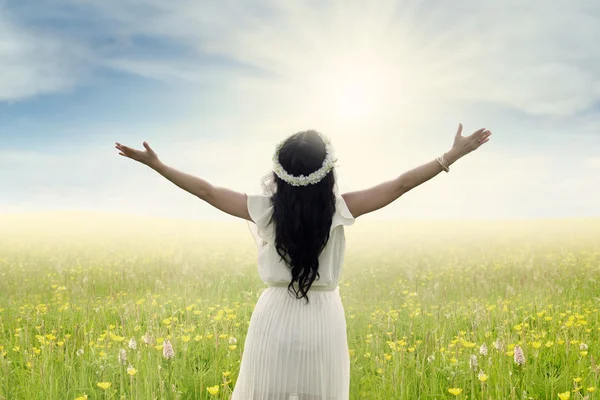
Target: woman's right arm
368,200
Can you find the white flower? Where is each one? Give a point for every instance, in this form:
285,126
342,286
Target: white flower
122,356
148,339
232,340
132,343
79,352
431,358
473,362
519,356
314,177
168,351
583,346
483,349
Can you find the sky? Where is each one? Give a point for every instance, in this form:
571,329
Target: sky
214,86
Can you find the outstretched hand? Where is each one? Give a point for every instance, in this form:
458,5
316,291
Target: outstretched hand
466,144
147,157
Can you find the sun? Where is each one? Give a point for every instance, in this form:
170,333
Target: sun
351,91
355,99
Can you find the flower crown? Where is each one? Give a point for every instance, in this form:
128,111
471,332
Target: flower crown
314,177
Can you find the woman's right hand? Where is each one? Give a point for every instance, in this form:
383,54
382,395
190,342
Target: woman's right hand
463,145
148,157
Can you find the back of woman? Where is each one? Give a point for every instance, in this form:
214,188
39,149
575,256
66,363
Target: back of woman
296,347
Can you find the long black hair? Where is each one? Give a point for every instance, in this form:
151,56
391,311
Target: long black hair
302,214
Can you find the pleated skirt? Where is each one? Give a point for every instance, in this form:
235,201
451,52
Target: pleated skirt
294,350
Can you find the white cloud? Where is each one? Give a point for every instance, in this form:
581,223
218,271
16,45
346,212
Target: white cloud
34,63
526,56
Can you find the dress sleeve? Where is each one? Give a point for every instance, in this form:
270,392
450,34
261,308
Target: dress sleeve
342,216
260,210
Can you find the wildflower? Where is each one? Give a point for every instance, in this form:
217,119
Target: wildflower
79,352
482,377
577,380
131,371
168,351
122,356
132,343
104,385
232,340
519,356
148,339
564,396
591,389
483,349
431,358
84,397
473,362
455,391
499,345
213,389
583,346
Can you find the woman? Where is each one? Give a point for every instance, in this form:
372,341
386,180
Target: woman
296,347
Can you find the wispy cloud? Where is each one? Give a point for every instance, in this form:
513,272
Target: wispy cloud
529,56
250,72
34,63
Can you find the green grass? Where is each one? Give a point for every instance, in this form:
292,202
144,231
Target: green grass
420,300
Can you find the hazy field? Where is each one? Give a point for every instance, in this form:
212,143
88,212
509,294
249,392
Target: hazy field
420,298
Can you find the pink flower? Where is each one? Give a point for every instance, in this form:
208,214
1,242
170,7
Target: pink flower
519,356
168,351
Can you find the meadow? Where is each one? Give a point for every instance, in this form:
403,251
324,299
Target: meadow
95,306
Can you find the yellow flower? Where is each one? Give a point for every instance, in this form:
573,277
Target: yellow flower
84,397
591,389
455,391
131,371
213,389
117,338
226,373
564,396
536,345
482,377
185,339
577,380
583,353
104,385
233,347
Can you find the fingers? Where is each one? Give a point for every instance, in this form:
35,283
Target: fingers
478,132
147,146
459,130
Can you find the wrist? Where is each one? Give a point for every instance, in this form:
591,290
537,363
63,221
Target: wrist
452,156
156,165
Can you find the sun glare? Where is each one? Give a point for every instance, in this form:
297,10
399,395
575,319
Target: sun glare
354,100
351,92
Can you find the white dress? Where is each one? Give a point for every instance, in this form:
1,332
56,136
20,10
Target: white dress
294,350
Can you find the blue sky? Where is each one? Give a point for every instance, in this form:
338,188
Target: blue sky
213,86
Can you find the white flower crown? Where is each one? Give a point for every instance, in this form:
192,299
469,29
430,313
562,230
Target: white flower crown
314,177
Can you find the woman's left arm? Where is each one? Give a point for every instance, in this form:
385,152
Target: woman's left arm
226,200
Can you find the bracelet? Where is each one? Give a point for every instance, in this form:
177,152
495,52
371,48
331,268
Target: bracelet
443,162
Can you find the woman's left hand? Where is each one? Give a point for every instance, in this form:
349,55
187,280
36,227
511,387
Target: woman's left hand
147,157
